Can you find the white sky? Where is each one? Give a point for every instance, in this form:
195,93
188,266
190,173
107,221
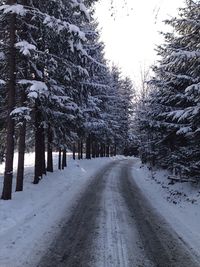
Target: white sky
131,35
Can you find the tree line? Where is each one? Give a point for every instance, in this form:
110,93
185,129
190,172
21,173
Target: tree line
56,89
168,117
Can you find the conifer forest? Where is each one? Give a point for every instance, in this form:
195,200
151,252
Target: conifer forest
58,92
99,168
168,115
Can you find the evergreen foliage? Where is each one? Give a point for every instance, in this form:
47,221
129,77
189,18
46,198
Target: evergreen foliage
169,119
57,91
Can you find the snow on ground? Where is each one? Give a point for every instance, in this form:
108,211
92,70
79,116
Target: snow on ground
30,220
118,241
178,203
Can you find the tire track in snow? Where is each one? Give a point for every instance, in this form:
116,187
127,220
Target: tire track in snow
113,225
118,243
73,246
161,242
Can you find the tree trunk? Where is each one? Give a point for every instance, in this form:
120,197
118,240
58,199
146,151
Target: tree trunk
101,151
64,158
38,147
111,151
104,150
49,150
21,151
97,150
59,158
88,147
115,150
10,127
93,149
22,129
43,157
107,151
74,151
81,149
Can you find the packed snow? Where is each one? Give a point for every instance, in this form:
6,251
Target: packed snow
30,220
179,203
33,217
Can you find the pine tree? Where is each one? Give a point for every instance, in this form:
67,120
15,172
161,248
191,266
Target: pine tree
11,91
58,88
172,111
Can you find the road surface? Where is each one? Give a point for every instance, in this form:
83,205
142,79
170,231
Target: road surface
114,225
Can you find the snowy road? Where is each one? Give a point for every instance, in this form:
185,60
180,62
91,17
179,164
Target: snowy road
113,224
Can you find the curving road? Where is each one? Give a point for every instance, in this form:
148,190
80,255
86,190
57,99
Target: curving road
114,225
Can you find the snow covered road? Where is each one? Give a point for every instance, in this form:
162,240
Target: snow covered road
113,224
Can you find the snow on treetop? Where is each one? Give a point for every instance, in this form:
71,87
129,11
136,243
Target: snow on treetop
79,48
74,29
2,82
84,10
25,47
2,56
176,115
60,25
185,54
16,8
192,88
36,88
80,5
181,115
20,111
184,130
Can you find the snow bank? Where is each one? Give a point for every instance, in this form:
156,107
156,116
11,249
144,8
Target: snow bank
178,203
31,219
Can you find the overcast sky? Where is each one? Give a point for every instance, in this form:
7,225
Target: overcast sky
131,34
